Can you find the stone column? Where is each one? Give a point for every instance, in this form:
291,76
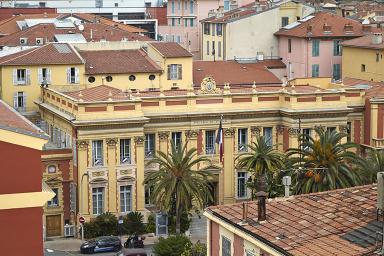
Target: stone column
192,138
139,146
83,188
163,140
228,183
280,137
112,176
255,132
293,137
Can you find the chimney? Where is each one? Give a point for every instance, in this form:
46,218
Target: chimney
377,38
348,28
261,207
245,213
326,28
309,28
380,191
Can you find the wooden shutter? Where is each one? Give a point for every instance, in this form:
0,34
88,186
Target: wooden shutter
40,75
68,75
48,74
77,76
179,72
27,76
15,76
24,99
169,72
15,105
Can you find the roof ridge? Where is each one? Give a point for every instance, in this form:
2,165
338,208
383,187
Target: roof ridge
28,51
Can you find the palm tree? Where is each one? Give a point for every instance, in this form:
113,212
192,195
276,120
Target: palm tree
260,160
324,163
374,164
177,182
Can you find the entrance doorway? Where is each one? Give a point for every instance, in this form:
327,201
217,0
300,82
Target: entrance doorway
53,225
214,191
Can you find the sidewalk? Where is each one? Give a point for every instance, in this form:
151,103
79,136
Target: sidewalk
73,244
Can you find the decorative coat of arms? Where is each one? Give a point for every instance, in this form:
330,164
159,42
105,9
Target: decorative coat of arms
208,86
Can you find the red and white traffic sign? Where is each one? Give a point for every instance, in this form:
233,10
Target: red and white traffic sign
81,220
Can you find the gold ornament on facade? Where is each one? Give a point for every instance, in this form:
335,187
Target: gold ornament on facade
293,132
125,172
229,132
98,174
280,129
343,129
256,130
208,86
82,144
139,140
163,136
112,142
192,134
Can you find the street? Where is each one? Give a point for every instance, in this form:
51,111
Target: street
50,252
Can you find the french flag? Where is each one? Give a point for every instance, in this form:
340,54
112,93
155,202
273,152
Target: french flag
219,139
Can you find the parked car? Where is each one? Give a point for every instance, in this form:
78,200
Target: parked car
101,244
132,252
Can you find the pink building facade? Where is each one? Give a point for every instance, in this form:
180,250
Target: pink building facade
184,20
302,58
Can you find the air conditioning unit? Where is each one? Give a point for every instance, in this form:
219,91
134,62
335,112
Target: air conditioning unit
23,41
69,230
380,191
39,41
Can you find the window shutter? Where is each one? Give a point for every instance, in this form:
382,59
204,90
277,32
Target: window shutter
76,75
68,75
180,72
48,76
40,75
169,72
15,100
93,153
24,99
28,76
15,76
334,47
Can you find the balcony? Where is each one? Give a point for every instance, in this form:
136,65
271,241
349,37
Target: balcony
377,143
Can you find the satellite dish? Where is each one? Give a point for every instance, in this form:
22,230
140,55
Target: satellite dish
81,27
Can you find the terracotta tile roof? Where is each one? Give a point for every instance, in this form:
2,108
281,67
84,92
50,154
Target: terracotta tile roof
171,49
338,222
234,73
11,120
98,93
88,17
9,26
363,42
53,53
48,32
118,62
324,24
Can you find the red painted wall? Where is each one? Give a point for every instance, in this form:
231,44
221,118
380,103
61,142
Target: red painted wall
238,245
380,127
367,122
357,131
19,169
200,142
21,232
6,13
215,238
285,139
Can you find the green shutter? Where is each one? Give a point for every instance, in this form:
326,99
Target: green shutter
315,48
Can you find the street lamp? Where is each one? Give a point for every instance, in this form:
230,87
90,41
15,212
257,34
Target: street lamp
44,84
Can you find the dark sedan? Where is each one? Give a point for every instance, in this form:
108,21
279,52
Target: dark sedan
101,244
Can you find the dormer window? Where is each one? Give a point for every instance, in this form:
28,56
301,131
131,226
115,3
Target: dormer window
327,28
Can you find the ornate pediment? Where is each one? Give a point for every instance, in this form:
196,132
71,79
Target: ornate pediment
208,86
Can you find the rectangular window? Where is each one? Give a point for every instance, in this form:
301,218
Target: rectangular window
176,139
173,6
185,22
178,4
219,29
173,22
20,101
349,131
55,200
72,75
377,57
227,5
179,21
242,139
191,22
363,68
125,198
267,133
336,72
207,27
207,47
337,48
306,131
210,142
148,191
149,147
241,185
98,200
21,76
97,152
284,21
213,48
175,72
125,151
315,70
219,48
289,45
225,246
191,6
315,48
213,29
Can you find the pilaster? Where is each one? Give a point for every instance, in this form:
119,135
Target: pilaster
163,141
139,146
112,182
82,155
228,173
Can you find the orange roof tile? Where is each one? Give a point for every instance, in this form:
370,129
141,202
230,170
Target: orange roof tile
363,42
171,49
324,24
9,26
338,222
11,120
118,62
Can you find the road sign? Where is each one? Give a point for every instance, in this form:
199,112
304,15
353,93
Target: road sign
81,220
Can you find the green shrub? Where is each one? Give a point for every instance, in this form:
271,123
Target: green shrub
185,222
151,225
197,249
171,246
103,225
133,223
